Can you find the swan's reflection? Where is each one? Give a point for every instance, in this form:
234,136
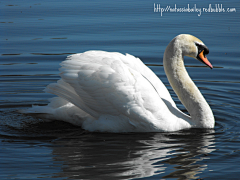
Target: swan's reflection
125,156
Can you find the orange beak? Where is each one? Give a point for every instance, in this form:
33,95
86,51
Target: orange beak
205,60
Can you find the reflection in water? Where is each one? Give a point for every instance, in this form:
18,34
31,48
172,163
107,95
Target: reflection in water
177,155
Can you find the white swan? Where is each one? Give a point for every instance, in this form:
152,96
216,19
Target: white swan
112,92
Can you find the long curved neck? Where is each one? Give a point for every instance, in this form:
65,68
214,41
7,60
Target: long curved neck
184,87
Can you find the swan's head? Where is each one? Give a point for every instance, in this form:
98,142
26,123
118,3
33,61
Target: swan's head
193,47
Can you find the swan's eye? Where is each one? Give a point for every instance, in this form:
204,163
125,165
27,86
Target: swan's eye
202,47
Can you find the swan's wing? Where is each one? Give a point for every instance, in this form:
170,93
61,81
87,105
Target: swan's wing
102,57
138,65
101,83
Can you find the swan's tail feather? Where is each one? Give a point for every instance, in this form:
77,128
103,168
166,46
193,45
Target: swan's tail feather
64,90
68,106
59,109
55,103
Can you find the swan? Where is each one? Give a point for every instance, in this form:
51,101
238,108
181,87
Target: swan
111,92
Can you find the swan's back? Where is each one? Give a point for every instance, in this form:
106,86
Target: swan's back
111,60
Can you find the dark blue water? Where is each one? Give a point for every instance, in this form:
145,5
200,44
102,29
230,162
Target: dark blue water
35,36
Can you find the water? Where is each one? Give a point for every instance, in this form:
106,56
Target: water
37,35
